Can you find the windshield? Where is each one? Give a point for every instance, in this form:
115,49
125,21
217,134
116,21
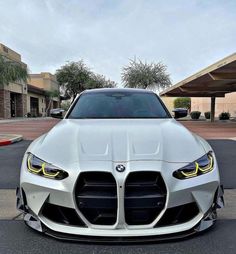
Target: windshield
118,105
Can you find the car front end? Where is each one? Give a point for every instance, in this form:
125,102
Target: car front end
103,181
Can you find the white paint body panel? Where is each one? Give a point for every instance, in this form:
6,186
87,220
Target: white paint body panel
118,140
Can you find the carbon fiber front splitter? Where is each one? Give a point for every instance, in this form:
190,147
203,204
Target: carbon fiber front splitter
207,222
113,240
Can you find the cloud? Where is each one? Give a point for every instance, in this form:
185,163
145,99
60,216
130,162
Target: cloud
184,35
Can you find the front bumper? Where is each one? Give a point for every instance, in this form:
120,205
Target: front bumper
197,224
204,191
207,221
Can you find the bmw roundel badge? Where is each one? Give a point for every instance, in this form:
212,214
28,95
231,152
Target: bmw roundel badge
120,168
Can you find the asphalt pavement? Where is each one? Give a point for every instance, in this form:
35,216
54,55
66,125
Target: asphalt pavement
15,237
225,151
10,163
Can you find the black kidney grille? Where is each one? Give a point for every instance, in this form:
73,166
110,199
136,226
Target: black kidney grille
96,197
145,197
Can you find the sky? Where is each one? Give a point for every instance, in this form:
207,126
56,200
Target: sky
185,35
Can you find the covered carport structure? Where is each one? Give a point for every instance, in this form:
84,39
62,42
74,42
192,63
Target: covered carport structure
214,81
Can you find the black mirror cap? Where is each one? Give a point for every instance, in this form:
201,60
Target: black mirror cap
57,113
180,112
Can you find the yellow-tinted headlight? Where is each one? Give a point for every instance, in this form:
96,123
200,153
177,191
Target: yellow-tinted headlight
201,166
42,168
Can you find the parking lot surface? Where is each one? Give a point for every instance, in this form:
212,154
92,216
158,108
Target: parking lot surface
30,129
11,157
216,130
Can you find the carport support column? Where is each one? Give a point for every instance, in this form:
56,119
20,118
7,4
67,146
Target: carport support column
213,103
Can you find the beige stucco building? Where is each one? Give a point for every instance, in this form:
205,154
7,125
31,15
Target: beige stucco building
13,97
226,104
32,98
169,102
44,80
36,101
41,87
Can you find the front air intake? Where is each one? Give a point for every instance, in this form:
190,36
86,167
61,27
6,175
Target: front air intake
178,214
96,197
62,215
145,197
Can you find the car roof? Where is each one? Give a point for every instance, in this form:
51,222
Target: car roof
118,90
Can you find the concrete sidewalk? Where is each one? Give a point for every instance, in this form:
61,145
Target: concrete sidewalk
23,119
7,139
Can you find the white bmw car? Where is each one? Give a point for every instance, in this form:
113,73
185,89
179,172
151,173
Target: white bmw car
119,167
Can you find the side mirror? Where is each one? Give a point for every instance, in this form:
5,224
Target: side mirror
180,112
57,113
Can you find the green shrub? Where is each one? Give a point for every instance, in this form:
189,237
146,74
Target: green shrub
224,116
195,114
183,102
207,115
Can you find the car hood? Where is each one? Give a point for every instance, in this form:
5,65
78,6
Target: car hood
118,140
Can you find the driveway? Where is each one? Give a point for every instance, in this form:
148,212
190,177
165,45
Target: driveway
30,129
216,130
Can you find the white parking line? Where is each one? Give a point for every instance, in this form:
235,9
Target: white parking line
8,205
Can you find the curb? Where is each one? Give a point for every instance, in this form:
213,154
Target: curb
9,139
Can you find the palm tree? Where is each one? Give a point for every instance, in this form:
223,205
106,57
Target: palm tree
11,71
